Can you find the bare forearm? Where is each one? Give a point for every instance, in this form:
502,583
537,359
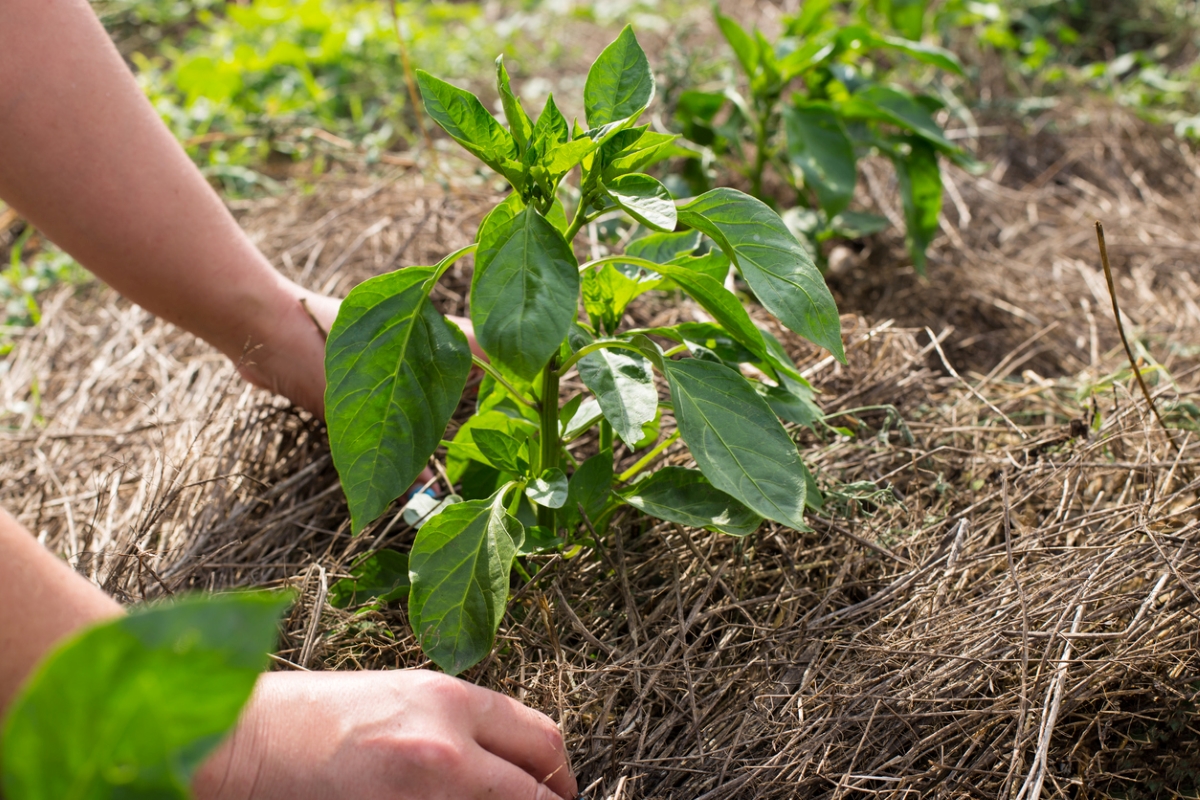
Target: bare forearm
84,157
43,599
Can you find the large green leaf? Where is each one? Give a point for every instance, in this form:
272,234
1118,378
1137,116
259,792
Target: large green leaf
130,708
645,199
720,303
623,383
519,124
619,84
395,371
459,568
898,108
524,292
819,145
685,496
920,181
382,577
737,441
466,120
776,266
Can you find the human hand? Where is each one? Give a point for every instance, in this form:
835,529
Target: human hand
401,735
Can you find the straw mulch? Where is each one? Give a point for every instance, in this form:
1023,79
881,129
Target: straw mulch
1016,617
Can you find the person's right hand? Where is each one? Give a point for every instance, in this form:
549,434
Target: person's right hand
402,735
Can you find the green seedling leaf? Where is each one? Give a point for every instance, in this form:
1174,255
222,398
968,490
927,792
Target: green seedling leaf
130,708
461,115
645,199
776,266
459,569
745,47
463,450
685,496
519,124
381,577
608,291
900,109
623,383
920,182
591,484
548,489
622,155
737,441
857,224
524,292
395,369
619,84
819,145
564,157
502,450
587,415
663,247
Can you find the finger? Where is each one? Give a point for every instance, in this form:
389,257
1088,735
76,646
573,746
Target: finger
498,779
524,737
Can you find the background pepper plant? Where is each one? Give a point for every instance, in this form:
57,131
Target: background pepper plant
842,105
397,368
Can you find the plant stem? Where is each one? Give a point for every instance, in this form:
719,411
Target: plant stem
646,459
606,435
551,444
498,378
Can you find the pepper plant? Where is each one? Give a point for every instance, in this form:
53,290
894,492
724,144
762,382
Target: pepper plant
815,102
397,368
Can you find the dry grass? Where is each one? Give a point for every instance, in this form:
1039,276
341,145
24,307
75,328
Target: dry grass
1023,620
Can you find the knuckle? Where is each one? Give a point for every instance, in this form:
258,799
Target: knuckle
432,756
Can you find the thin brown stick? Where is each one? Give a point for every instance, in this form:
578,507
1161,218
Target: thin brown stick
413,94
1112,293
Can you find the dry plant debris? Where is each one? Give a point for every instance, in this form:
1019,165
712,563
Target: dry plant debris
1022,623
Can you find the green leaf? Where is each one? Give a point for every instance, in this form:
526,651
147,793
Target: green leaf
459,568
608,291
524,292
776,266
645,199
548,489
623,383
620,83
721,304
926,53
467,121
381,577
811,54
737,441
519,124
898,108
130,708
591,484
796,408
395,369
635,149
857,224
564,157
920,182
744,45
587,415
663,247
551,125
907,16
502,450
819,145
714,264
463,450
685,496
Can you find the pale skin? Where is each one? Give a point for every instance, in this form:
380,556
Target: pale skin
85,159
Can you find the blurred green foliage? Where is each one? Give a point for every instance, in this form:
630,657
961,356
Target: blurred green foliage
27,274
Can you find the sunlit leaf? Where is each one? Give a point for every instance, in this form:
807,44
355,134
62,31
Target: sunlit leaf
686,497
619,83
645,199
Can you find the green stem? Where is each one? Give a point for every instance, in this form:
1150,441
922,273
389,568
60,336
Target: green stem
630,260
606,435
646,459
607,344
498,378
551,443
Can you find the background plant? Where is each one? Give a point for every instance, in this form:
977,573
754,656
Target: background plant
815,102
132,707
397,368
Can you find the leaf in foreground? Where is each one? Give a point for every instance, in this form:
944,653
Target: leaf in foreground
737,441
130,708
459,568
776,266
685,496
396,369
